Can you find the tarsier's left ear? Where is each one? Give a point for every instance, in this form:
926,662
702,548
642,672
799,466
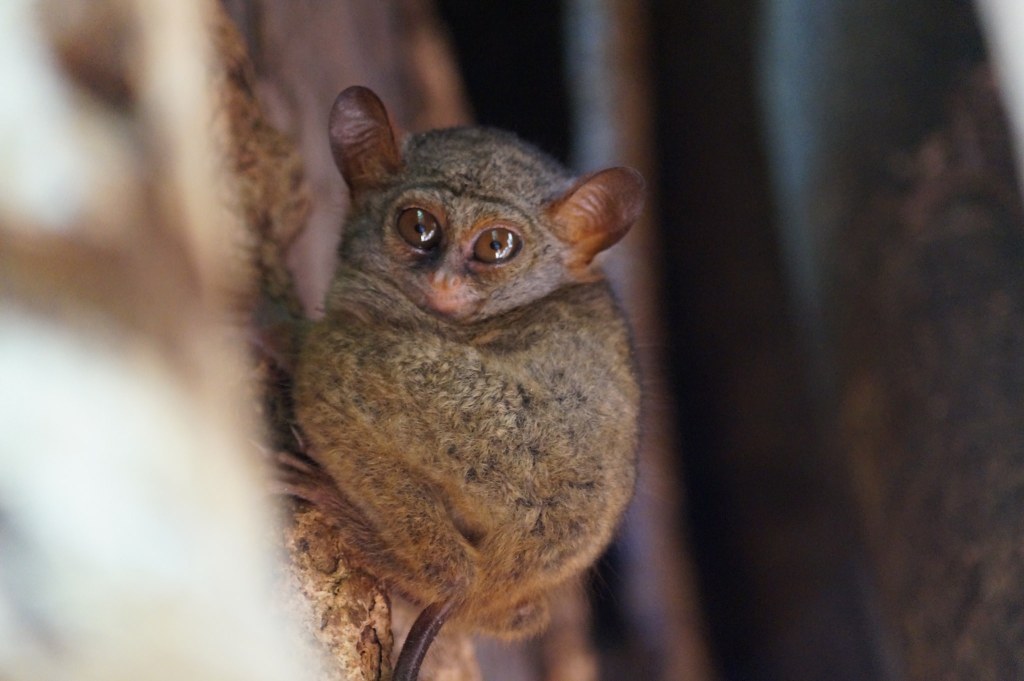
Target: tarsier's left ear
362,141
596,212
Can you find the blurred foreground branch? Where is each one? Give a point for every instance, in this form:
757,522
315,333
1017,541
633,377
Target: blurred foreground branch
145,208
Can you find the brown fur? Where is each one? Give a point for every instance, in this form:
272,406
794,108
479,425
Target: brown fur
484,453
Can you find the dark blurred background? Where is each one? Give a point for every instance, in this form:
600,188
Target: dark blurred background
790,142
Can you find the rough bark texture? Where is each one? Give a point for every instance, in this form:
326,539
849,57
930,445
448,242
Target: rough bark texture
343,610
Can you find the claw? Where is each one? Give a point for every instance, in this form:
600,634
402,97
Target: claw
299,477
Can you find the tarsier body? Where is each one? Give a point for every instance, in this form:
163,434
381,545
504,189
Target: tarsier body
470,391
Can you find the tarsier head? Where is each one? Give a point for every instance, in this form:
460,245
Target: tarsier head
470,222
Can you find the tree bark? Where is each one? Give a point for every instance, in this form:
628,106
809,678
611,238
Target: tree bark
931,411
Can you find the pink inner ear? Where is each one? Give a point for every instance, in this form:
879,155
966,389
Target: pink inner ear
598,211
362,140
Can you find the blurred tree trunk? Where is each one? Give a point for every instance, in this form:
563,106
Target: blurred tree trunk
136,533
903,217
771,515
932,319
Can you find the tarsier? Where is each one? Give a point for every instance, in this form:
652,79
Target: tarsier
470,395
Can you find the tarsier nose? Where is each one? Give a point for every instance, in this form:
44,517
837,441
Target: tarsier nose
447,293
445,281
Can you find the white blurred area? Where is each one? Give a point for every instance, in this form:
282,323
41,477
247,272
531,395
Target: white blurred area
131,542
136,541
40,173
1003,22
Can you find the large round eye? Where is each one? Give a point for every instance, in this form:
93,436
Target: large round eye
496,245
419,228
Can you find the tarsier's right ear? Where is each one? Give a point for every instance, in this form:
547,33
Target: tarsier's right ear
595,213
362,141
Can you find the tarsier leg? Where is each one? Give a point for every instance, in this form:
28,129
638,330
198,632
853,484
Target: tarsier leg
426,530
417,546
417,643
308,481
304,479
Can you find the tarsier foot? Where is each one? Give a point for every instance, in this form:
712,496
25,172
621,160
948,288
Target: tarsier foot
304,479
422,634
299,477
